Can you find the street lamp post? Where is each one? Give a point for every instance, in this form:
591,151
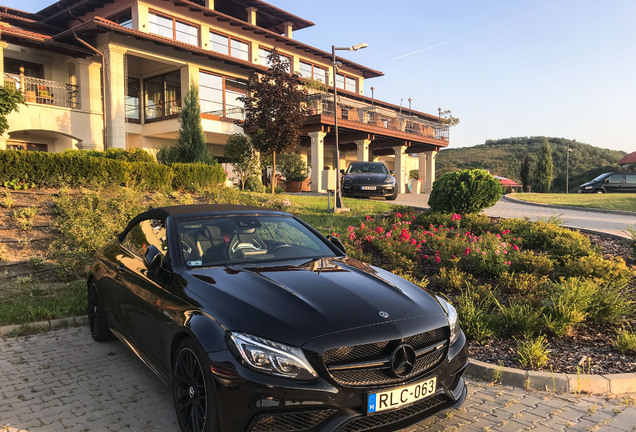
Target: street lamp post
338,198
567,170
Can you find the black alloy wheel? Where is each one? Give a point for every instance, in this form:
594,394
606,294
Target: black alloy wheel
96,319
394,195
193,391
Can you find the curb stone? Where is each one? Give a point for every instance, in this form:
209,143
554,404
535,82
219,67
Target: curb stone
563,207
554,382
529,380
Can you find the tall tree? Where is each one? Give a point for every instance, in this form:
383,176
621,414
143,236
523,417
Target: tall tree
242,156
544,170
275,109
191,146
524,174
10,99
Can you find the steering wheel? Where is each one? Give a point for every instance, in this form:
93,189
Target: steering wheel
191,253
238,248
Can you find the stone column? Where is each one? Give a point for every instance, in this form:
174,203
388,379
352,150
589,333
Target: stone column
430,171
115,96
422,169
189,78
139,14
209,4
3,45
400,167
317,160
363,149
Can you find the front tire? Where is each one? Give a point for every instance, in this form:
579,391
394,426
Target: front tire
193,390
393,196
96,318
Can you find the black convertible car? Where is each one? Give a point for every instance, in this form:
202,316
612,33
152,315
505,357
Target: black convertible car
368,179
260,323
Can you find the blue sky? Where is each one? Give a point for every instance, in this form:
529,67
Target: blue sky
562,68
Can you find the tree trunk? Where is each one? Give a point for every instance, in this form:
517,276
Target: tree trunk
273,171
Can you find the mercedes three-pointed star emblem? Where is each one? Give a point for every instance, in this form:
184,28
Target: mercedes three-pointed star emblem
403,360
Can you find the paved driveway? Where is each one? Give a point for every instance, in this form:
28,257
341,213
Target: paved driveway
63,381
597,221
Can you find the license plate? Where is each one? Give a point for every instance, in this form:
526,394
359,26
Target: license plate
402,396
368,187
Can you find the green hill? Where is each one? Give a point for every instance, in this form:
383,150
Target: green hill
504,157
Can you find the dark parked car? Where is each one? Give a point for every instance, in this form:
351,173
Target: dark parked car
368,179
260,323
611,182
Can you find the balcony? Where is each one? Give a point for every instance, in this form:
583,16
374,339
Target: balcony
41,91
363,113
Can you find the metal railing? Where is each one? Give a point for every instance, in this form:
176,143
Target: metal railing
37,90
231,113
360,112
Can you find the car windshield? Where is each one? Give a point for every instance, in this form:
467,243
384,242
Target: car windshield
230,240
601,177
370,168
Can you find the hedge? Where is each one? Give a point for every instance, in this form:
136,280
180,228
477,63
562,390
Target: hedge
75,169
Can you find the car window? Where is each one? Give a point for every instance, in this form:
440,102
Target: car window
615,178
146,233
630,178
225,240
373,168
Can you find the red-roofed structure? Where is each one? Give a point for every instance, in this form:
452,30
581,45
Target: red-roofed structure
628,160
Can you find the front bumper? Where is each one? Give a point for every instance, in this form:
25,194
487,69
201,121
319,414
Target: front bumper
250,401
382,190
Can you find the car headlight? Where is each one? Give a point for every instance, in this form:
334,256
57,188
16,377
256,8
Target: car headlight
389,179
588,187
453,321
272,357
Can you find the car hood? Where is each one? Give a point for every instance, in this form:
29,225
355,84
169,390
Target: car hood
367,178
297,302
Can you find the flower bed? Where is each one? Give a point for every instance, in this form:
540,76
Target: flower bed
511,280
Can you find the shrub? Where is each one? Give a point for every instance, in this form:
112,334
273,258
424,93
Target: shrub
611,272
7,202
473,309
452,279
254,184
610,305
519,319
533,353
524,284
3,252
567,304
196,176
87,221
625,342
292,166
132,155
149,176
528,261
465,191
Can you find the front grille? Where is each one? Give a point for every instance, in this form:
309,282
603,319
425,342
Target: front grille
391,417
380,353
294,422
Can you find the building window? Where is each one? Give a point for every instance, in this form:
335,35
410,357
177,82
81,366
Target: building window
133,94
263,55
229,46
124,19
308,70
162,96
19,67
173,28
219,95
347,83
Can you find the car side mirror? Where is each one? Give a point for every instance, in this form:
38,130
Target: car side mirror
392,172
337,243
152,257
341,171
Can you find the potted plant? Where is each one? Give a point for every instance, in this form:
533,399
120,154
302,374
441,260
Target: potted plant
294,169
415,181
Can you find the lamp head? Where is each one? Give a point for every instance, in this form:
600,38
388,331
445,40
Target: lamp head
358,47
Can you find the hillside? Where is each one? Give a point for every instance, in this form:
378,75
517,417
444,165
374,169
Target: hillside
504,157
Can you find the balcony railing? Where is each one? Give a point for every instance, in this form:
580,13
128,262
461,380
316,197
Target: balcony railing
360,112
37,90
231,113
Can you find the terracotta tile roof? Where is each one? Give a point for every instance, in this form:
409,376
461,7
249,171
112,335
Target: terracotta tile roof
629,159
23,33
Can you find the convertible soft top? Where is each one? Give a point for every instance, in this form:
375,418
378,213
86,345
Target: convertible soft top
194,210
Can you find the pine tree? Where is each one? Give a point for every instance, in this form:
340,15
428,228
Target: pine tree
191,146
544,170
524,174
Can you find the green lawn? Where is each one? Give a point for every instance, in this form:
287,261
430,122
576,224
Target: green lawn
313,210
625,202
